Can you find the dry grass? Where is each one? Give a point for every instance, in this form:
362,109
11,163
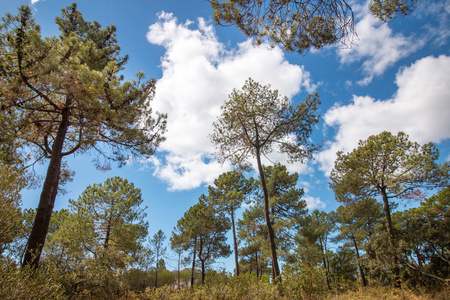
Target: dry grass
381,293
268,292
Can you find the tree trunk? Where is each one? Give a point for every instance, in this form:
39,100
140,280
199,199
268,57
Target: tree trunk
273,249
107,237
200,252
178,271
203,271
361,271
156,269
390,232
325,265
193,263
41,223
236,256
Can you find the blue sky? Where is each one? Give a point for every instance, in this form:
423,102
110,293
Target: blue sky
395,78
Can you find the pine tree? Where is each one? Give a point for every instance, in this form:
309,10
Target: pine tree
65,94
253,121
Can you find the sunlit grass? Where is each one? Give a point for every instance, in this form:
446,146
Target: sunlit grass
369,293
247,288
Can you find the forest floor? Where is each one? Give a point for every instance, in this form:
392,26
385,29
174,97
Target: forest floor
390,293
368,293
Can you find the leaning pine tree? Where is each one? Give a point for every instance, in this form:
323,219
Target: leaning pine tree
65,95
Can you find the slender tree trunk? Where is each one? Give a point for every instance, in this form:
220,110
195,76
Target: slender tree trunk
193,263
273,249
178,272
107,237
203,271
41,223
202,260
325,264
361,271
105,245
156,269
236,255
390,232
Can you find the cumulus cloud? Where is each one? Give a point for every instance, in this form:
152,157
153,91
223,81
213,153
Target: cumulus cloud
313,203
420,108
198,74
377,46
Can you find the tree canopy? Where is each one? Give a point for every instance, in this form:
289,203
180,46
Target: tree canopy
203,228
301,25
65,94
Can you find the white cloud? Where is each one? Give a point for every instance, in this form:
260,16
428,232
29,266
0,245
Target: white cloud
420,108
377,46
198,74
439,11
313,203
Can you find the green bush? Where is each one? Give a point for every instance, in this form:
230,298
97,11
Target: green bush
17,283
307,282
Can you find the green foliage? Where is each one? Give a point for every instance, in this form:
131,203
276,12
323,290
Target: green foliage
159,250
286,208
387,164
391,167
301,25
254,250
314,233
356,223
230,190
312,242
203,229
424,239
295,25
255,119
357,220
388,10
17,283
98,238
78,72
136,280
10,185
113,217
13,179
304,281
342,267
286,205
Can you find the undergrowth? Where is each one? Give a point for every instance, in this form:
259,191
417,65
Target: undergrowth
246,287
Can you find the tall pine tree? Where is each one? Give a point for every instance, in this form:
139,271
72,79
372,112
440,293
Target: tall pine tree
65,94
